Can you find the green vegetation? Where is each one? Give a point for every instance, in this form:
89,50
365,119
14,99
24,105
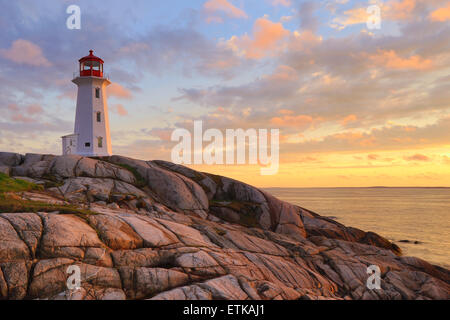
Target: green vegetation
249,219
51,181
140,181
11,204
220,232
8,184
53,184
217,179
247,211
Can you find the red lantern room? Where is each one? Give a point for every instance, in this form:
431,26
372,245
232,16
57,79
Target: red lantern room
91,66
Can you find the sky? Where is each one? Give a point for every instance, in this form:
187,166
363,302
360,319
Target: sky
355,106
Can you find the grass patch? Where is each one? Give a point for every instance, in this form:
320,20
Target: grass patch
140,181
217,179
247,211
220,232
249,219
53,184
51,181
13,204
8,184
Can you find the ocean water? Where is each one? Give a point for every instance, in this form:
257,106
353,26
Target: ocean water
414,214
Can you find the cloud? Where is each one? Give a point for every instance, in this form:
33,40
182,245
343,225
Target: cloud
30,119
417,157
116,90
446,160
261,93
185,50
390,59
23,114
25,52
350,17
299,121
400,9
306,14
377,139
214,7
441,14
355,81
119,109
34,109
163,134
349,119
283,73
265,40
393,10
285,3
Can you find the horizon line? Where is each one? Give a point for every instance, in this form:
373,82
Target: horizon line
370,187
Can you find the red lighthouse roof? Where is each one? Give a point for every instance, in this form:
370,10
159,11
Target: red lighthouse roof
91,57
91,66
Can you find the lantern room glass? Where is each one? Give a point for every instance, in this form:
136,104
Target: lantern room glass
91,68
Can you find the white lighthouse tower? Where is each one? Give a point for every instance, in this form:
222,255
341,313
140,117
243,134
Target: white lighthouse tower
91,137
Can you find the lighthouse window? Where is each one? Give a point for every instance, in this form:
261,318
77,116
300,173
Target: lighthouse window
100,142
99,117
95,65
97,92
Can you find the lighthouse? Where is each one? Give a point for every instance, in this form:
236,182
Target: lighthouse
91,137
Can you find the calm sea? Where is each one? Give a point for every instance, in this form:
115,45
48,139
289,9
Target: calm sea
414,214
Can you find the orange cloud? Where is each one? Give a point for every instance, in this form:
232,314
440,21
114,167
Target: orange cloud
300,121
214,6
355,138
25,52
390,60
266,39
348,136
351,17
304,41
368,142
286,112
116,90
119,109
392,10
349,119
441,14
23,114
417,157
21,118
163,134
401,10
283,73
34,109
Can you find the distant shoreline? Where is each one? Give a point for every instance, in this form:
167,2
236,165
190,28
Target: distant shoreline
374,187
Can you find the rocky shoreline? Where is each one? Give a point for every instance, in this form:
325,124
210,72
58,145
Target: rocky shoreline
156,230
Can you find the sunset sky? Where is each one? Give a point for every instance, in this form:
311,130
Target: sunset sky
355,107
